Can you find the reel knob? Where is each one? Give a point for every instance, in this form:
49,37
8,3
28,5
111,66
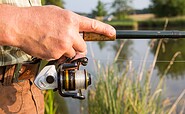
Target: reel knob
50,79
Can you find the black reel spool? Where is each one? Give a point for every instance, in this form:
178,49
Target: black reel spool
70,78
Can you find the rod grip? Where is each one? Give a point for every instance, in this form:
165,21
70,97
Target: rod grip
89,36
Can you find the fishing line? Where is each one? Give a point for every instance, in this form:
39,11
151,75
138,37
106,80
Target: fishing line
135,60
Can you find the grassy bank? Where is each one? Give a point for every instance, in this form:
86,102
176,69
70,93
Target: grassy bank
123,24
144,22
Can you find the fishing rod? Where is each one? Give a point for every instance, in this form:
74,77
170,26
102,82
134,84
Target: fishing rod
69,80
135,34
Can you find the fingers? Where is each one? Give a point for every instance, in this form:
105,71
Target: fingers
70,53
91,25
79,46
79,55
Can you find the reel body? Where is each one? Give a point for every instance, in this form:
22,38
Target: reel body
66,78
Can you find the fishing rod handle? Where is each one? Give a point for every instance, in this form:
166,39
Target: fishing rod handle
89,36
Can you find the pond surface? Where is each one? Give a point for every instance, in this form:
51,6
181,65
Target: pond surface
134,51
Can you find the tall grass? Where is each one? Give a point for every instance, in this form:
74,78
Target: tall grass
130,92
54,103
50,105
122,93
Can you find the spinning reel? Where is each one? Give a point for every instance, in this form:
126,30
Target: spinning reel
66,78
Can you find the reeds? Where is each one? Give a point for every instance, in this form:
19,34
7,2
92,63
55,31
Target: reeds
50,105
122,93
130,91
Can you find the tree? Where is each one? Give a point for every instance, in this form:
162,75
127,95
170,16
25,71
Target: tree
100,9
121,8
168,8
59,3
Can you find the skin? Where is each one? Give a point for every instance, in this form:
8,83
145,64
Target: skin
47,32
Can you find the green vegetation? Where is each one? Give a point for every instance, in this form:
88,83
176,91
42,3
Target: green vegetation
123,24
100,9
168,8
50,107
121,8
123,93
158,23
59,3
54,104
155,23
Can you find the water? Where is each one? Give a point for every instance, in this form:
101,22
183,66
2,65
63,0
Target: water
134,51
175,81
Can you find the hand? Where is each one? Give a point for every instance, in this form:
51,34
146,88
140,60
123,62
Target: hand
49,32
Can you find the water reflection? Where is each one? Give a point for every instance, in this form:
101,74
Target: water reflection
124,52
169,48
101,44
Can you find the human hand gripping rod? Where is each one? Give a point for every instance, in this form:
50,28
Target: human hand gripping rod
66,77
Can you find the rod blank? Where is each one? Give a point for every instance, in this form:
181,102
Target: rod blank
148,34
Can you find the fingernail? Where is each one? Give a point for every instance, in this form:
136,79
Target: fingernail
112,31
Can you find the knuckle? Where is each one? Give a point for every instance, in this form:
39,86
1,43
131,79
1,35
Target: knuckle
94,25
105,29
65,46
69,17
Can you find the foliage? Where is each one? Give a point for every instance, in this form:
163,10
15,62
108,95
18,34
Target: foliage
121,8
59,3
100,9
168,8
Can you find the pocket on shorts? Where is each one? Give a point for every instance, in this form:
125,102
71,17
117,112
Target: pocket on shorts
10,98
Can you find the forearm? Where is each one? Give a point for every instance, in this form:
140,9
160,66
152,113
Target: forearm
8,16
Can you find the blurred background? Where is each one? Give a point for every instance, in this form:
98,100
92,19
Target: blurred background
138,76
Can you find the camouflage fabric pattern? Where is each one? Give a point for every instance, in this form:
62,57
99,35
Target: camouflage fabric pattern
12,55
22,3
